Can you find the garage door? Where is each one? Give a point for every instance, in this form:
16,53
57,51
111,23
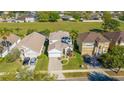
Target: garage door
55,54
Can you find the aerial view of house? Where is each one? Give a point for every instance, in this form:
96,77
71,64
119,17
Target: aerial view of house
32,45
62,45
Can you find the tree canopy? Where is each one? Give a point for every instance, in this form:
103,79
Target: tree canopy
47,16
110,24
114,58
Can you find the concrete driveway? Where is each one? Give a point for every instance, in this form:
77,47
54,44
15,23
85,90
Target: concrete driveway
55,65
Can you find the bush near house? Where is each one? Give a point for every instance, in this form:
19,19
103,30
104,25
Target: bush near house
11,62
13,56
42,63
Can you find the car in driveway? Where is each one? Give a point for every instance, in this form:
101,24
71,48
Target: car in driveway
92,61
26,61
87,58
32,61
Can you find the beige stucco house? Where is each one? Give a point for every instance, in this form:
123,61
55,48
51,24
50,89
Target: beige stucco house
32,45
92,43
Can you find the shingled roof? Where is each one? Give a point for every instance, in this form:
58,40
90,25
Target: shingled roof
114,36
91,37
34,41
12,38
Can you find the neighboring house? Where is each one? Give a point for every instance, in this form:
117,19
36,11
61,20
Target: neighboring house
12,41
1,19
10,20
28,18
116,38
32,45
92,43
20,20
67,18
60,44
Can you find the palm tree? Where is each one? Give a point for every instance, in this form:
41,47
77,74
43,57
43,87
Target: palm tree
1,51
74,35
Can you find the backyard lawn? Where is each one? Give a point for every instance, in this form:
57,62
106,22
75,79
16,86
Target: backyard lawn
22,28
42,63
9,67
74,62
53,26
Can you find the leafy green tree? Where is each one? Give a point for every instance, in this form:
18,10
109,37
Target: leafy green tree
42,16
106,16
111,25
75,14
114,58
86,15
53,16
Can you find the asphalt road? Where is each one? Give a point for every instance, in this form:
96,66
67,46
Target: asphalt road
76,79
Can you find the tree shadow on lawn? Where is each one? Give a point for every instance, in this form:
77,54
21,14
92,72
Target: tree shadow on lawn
96,76
96,30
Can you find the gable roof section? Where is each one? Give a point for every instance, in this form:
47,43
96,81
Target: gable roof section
91,37
58,35
34,41
12,38
114,36
58,46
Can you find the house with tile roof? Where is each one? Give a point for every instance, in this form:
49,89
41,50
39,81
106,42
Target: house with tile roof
32,45
92,43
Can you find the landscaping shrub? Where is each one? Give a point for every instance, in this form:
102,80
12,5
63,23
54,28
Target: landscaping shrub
13,56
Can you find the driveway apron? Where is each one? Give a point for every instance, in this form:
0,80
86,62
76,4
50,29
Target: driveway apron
55,67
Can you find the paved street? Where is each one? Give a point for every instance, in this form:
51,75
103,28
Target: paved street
76,79
55,67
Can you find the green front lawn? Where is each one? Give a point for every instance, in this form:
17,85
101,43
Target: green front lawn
42,63
10,67
74,62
